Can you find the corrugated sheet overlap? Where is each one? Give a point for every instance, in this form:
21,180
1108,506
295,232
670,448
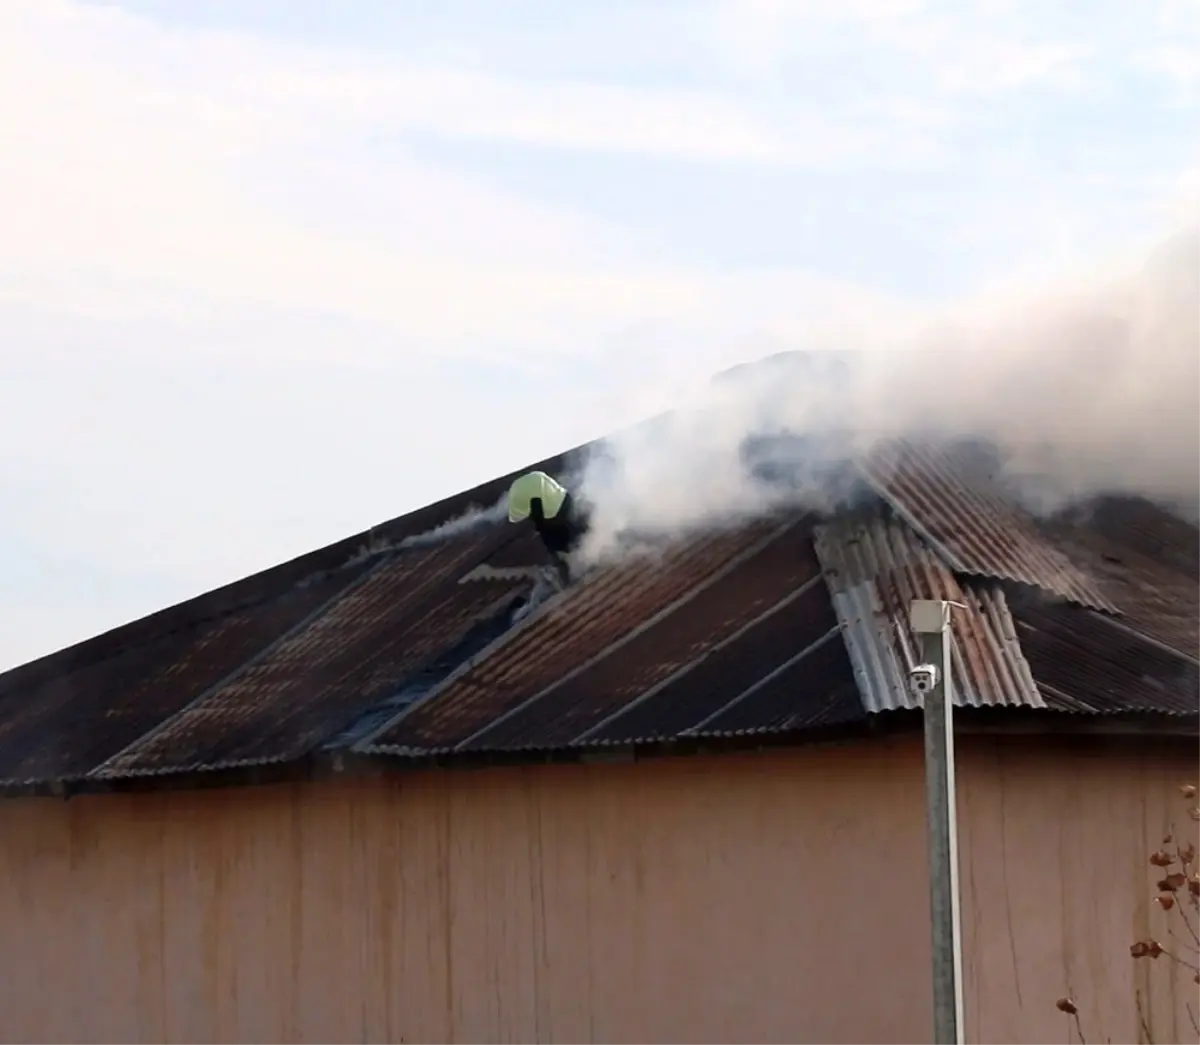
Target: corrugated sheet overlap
945,493
874,570
312,682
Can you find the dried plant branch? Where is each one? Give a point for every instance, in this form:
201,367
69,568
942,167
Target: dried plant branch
1142,1020
1188,925
1182,942
1071,1009
1179,866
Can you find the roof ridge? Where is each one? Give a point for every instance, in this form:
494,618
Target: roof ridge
259,587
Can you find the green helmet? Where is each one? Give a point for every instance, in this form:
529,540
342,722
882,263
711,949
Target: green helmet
531,486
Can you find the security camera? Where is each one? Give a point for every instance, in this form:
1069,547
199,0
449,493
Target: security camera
922,679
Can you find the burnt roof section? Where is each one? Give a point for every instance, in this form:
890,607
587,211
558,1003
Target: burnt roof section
278,582
729,633
953,495
392,642
729,665
1087,662
593,620
1148,572
1144,528
315,680
59,723
811,690
64,715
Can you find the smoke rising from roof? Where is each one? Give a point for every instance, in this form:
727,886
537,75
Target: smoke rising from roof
473,519
1088,386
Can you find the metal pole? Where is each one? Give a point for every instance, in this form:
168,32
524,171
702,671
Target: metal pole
931,621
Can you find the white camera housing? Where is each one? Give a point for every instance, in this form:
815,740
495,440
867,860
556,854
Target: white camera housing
922,679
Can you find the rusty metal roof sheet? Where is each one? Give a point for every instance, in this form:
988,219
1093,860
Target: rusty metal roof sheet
1155,589
700,689
945,493
1088,662
65,713
815,688
379,644
313,681
717,608
57,722
874,570
567,636
1144,528
723,635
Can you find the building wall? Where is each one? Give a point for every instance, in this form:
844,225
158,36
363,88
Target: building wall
692,900
760,898
1056,885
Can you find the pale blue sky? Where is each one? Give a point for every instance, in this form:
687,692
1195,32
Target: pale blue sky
271,272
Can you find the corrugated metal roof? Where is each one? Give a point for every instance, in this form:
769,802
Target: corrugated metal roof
1146,529
1157,594
702,688
874,570
64,714
723,633
567,636
312,682
813,689
1085,661
58,724
526,550
720,606
719,637
945,493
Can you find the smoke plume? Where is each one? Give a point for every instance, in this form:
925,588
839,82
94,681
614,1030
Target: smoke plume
474,518
1089,386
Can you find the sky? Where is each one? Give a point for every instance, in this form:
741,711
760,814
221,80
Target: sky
274,271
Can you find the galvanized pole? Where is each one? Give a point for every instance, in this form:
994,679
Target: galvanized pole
931,621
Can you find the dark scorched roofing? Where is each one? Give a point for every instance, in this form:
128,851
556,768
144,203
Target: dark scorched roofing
383,645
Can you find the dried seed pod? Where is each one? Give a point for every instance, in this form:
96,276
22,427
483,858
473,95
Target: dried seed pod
1162,858
1067,1006
1166,901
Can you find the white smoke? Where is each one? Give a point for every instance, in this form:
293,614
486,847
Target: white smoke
1088,386
473,519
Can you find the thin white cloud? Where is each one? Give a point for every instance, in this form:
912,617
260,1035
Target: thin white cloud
1179,66
951,55
121,182
150,171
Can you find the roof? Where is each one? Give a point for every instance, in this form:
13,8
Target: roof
635,651
874,571
952,497
410,642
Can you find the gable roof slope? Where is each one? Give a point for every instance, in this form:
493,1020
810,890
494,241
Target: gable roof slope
786,625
